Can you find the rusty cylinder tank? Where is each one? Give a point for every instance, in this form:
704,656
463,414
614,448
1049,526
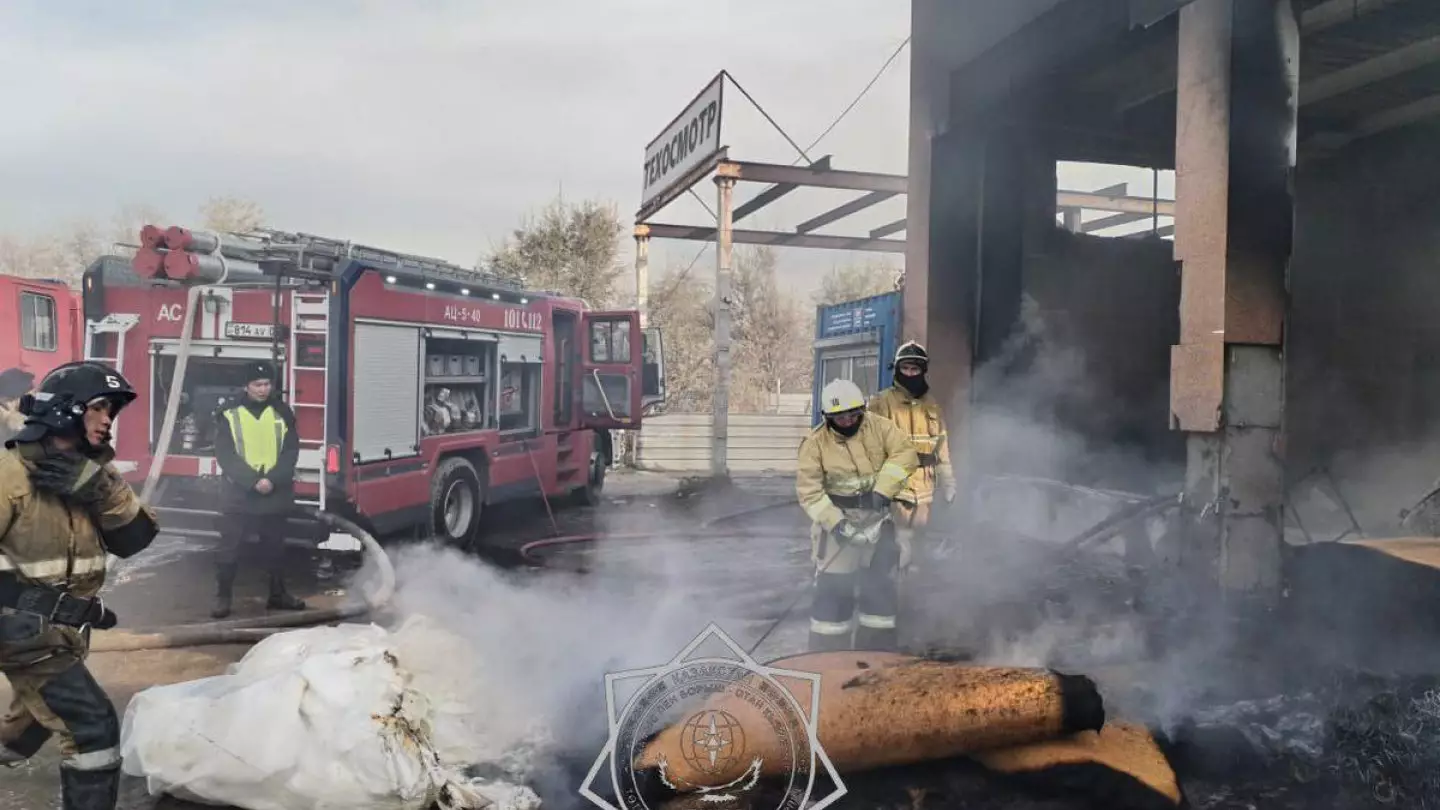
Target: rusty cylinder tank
884,709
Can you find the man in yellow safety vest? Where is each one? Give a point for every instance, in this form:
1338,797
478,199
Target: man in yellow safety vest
256,446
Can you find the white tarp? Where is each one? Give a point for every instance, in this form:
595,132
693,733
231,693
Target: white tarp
316,719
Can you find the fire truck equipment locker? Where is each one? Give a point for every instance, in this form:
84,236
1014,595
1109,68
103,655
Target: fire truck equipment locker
387,392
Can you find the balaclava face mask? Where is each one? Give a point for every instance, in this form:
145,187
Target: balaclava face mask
916,385
850,431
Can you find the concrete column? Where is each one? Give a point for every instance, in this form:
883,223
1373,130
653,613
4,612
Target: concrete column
1234,218
925,73
719,463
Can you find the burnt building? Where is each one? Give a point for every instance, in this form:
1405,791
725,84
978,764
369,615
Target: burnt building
1289,322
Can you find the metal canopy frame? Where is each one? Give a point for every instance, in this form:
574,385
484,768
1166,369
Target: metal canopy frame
780,181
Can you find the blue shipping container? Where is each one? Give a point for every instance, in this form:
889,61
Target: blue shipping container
855,341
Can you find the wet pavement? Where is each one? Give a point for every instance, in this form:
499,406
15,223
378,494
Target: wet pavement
682,553
172,583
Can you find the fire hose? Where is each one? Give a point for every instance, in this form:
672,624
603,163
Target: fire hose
249,631
241,631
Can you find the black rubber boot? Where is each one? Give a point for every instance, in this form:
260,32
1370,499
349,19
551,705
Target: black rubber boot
89,790
280,599
225,583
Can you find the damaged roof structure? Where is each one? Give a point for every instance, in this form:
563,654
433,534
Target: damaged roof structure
1281,329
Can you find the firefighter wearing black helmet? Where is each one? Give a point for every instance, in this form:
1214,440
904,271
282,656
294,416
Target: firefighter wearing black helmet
256,446
63,507
910,404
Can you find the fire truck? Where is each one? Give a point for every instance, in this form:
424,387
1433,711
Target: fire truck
45,327
424,392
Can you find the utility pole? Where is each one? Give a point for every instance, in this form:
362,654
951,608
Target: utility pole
725,184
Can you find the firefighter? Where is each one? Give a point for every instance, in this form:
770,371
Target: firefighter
910,405
14,383
256,446
62,508
850,468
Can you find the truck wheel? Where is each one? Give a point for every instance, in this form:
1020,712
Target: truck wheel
456,501
589,495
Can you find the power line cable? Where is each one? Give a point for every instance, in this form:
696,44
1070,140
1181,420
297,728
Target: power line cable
865,91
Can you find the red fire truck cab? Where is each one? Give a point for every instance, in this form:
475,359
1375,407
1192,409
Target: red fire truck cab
423,391
41,319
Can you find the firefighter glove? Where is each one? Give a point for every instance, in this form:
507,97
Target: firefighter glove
950,493
878,501
71,476
845,530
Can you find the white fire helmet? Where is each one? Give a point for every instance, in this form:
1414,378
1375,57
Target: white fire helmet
840,396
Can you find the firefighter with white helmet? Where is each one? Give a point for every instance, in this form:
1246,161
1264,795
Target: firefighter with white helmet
912,407
63,508
850,469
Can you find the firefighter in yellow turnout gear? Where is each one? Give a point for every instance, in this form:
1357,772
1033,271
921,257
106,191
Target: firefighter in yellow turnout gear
910,405
850,469
63,507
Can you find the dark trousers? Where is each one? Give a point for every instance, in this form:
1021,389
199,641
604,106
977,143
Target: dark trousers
866,600
57,697
258,536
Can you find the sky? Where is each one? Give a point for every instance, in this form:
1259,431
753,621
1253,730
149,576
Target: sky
429,127
437,127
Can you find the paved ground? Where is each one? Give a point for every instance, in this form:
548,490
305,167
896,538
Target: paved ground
172,584
681,575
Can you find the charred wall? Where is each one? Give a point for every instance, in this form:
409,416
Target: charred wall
1114,303
1364,346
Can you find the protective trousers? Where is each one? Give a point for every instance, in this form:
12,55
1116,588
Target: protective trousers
856,592
54,695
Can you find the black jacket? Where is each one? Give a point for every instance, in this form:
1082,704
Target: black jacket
240,479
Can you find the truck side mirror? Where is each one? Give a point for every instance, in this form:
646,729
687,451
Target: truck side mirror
652,376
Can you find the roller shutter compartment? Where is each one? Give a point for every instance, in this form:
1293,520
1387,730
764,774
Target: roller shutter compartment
386,392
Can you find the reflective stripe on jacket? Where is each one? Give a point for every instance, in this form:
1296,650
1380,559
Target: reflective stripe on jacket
878,458
47,542
258,439
923,421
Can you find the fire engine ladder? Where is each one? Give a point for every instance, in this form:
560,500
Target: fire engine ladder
309,316
117,325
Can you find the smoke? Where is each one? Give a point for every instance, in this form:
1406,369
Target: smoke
516,659
1056,444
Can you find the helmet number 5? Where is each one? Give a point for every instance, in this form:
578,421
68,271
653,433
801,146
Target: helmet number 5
111,381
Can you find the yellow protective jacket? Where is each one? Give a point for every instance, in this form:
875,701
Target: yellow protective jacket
923,421
878,458
44,541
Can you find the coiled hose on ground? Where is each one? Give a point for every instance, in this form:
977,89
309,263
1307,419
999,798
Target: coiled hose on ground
249,631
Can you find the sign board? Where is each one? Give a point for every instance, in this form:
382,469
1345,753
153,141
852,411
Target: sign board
249,331
686,143
849,318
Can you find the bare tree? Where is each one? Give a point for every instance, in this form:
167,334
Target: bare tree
861,279
772,351
680,305
572,249
232,215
